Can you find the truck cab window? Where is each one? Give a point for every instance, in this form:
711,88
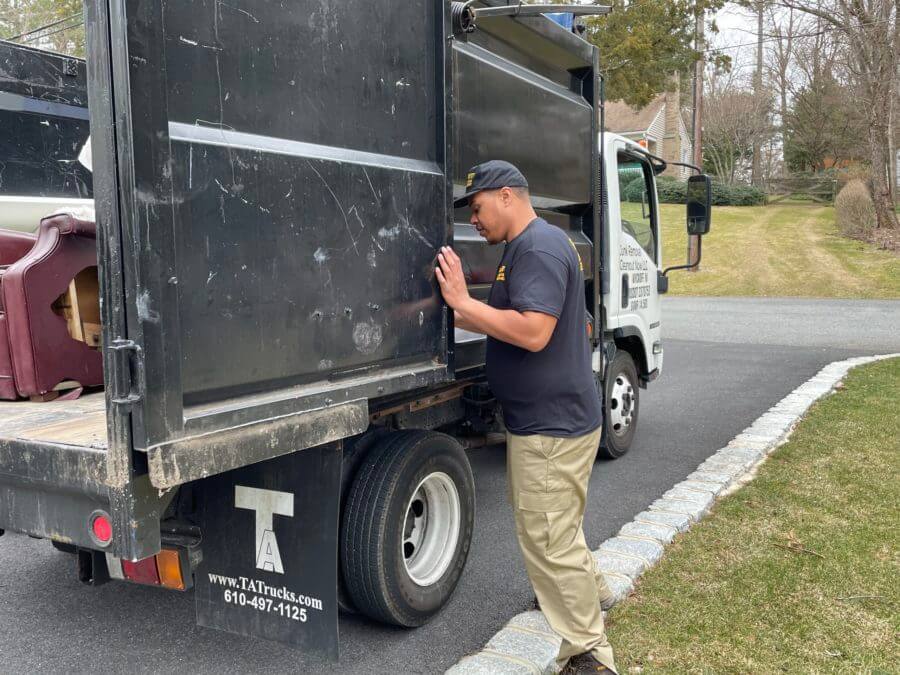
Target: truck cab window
636,201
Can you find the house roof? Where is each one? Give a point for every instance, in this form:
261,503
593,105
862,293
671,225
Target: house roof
622,118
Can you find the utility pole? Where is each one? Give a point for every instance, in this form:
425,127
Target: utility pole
693,251
756,166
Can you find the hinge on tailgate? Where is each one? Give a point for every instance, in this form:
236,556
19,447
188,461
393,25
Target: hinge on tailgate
128,374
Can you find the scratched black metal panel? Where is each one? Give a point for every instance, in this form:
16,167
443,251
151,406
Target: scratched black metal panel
43,75
289,193
314,266
43,124
515,100
306,228
506,111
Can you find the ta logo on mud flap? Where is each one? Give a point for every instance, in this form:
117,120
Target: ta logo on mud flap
266,503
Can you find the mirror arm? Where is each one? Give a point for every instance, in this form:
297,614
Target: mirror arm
688,267
689,166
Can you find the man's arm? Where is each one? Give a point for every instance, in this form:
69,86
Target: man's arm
460,322
528,330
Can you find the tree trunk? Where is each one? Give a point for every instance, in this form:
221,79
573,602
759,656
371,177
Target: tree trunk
880,89
882,195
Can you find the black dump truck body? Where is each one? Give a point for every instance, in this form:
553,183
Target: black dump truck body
44,122
44,117
272,183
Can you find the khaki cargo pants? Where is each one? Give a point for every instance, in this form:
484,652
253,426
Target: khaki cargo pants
548,480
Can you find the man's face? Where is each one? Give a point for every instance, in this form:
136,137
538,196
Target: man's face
489,214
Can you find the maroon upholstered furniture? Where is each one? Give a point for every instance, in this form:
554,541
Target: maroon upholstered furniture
13,245
40,351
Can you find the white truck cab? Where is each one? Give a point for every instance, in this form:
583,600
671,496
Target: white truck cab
632,344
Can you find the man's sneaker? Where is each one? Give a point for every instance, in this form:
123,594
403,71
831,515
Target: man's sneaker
583,664
606,603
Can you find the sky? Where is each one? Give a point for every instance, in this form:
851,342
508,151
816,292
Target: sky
737,28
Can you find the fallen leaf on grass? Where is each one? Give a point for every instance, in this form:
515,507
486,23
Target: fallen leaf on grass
863,597
794,545
799,549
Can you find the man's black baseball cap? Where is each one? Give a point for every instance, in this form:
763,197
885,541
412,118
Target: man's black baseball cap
491,175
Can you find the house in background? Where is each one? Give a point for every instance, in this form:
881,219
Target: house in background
658,126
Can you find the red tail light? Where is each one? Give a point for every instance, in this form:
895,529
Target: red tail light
101,528
141,572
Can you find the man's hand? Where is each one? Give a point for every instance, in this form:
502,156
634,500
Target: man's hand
450,276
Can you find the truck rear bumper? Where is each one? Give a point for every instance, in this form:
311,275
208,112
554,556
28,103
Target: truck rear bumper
51,490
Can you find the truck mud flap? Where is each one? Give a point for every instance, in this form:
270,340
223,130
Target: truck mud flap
270,550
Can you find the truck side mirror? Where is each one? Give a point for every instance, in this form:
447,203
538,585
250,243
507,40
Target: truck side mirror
699,204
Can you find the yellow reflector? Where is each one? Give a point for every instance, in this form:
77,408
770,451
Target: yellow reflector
169,566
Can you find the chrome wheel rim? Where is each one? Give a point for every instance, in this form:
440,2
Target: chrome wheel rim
621,405
431,529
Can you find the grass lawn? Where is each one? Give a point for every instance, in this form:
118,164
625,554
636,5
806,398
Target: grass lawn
798,571
778,250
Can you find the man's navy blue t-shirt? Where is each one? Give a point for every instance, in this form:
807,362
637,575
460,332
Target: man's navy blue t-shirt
550,392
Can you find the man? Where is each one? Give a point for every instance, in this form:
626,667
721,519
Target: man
539,368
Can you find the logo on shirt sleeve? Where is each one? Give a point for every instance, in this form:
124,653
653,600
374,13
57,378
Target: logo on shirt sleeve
501,273
580,261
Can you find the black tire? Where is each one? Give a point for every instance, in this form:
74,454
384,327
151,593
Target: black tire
617,435
354,453
374,526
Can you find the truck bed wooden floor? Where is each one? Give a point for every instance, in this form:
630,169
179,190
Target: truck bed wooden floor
80,422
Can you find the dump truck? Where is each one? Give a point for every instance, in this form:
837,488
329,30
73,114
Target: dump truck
285,401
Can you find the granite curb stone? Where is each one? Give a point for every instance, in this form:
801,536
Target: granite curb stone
661,533
715,477
484,662
649,551
621,587
705,487
609,561
534,647
532,620
692,509
705,499
679,521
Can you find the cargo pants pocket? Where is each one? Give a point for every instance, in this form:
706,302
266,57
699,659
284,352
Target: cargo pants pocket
546,519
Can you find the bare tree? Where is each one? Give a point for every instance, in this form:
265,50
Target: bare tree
780,62
735,119
870,30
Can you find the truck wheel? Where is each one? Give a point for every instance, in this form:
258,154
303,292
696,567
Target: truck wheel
407,527
620,406
355,452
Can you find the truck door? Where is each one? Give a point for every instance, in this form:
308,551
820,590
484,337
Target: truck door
278,180
633,303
